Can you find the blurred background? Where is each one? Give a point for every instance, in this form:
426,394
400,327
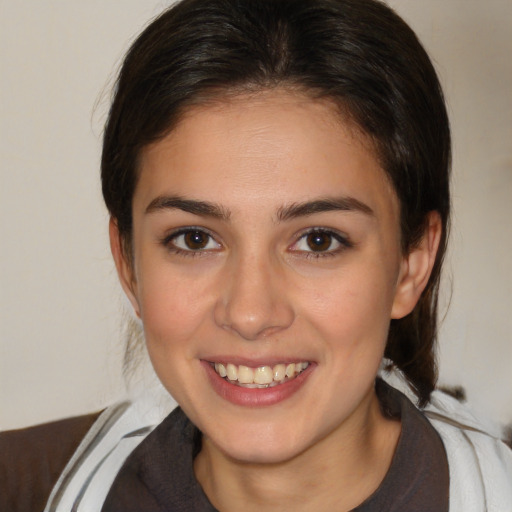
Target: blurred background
61,320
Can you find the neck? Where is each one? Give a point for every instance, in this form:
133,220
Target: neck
339,472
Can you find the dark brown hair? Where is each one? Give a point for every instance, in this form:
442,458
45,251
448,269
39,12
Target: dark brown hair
358,53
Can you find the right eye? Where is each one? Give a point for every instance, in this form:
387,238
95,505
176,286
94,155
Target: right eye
192,240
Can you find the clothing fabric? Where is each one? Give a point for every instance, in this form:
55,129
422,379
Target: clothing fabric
480,466
480,463
159,476
32,459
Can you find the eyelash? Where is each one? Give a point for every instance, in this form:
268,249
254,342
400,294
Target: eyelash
168,240
343,241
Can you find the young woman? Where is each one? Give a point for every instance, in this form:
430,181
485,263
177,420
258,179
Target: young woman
277,174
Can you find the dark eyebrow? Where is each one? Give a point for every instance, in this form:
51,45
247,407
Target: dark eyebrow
201,208
328,204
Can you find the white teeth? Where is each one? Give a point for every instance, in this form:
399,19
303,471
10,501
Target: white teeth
263,376
245,375
232,372
290,370
279,372
220,369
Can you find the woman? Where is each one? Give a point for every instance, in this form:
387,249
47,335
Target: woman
277,175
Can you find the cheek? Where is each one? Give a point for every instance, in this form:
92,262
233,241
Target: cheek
353,308
174,313
173,307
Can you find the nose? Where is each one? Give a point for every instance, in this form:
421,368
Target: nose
253,301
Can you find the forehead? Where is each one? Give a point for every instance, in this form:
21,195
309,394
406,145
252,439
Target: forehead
264,149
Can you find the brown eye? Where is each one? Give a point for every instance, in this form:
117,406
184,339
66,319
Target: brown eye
192,240
319,242
195,240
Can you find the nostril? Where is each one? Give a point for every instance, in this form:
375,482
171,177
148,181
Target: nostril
251,322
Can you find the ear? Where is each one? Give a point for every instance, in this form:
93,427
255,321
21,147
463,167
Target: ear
416,268
124,266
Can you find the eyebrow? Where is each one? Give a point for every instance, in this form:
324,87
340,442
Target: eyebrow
328,204
201,208
284,213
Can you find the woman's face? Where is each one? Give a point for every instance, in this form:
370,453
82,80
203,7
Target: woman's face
266,246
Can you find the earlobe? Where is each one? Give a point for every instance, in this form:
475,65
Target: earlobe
416,268
124,266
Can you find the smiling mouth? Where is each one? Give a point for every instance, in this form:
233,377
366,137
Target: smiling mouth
261,377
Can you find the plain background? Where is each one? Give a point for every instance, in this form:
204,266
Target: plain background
61,308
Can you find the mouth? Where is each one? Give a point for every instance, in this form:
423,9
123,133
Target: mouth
261,377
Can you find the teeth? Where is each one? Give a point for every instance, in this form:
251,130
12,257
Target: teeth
245,375
279,372
290,370
232,372
263,376
220,369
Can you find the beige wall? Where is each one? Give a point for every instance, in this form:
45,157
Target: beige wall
60,341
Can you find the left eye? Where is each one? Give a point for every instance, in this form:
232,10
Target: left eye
193,240
319,242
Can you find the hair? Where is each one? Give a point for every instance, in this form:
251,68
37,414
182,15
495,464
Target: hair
358,54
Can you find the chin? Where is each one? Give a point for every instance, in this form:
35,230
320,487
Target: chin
260,448
261,455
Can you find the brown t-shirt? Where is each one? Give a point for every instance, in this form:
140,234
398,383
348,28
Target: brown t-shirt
418,478
158,476
32,459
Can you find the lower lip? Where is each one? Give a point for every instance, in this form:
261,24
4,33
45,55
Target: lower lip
255,397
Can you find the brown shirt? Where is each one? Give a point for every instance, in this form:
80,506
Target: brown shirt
32,459
158,476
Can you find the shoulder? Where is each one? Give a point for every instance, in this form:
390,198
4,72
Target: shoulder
109,442
480,462
31,460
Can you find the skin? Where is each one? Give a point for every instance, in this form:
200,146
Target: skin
258,291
